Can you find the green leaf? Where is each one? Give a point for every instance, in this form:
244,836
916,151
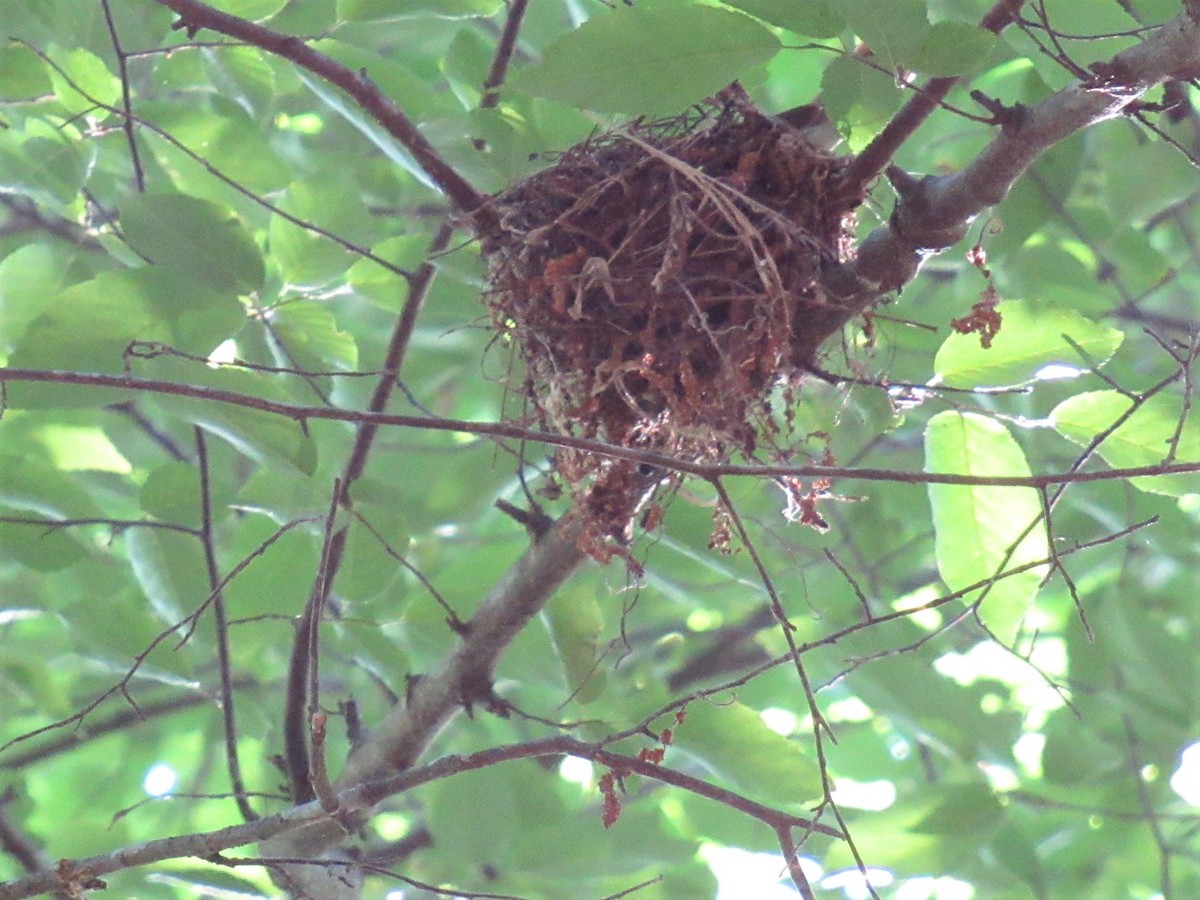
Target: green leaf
1144,439
815,18
47,167
262,436
969,808
379,285
976,527
377,531
490,793
1031,336
84,81
30,483
22,74
29,278
243,74
89,326
304,259
420,101
858,99
171,493
1134,197
170,568
1039,196
391,10
312,337
648,60
118,627
37,546
575,624
278,580
895,37
952,48
207,244
733,741
254,10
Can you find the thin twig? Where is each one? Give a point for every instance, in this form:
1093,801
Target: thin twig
707,471
139,176
877,155
221,628
195,16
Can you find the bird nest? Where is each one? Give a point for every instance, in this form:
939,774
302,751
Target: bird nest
660,282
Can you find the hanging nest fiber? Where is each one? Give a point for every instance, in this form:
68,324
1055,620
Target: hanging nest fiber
660,282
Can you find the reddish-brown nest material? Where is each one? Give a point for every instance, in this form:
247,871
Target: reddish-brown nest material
659,281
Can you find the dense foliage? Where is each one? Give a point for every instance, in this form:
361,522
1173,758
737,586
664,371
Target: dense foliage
252,383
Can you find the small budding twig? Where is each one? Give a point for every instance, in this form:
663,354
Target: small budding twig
614,777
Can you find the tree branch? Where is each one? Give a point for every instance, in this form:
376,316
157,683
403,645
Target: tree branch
464,679
205,845
708,471
505,48
935,212
221,629
196,16
876,156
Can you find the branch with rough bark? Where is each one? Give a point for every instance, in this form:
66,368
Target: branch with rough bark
934,213
83,873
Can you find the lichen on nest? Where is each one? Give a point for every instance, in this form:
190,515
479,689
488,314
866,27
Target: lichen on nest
659,282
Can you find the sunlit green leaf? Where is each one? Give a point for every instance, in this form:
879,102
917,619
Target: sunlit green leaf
1157,432
250,9
46,166
858,99
1032,336
984,531
89,328
311,337
81,81
648,60
735,743
29,277
896,37
952,48
815,18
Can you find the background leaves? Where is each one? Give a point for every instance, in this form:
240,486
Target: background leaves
956,756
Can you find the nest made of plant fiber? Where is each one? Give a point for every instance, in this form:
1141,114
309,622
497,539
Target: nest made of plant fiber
659,282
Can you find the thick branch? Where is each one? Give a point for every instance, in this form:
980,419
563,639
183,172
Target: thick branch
935,213
206,845
464,678
295,718
878,153
196,16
